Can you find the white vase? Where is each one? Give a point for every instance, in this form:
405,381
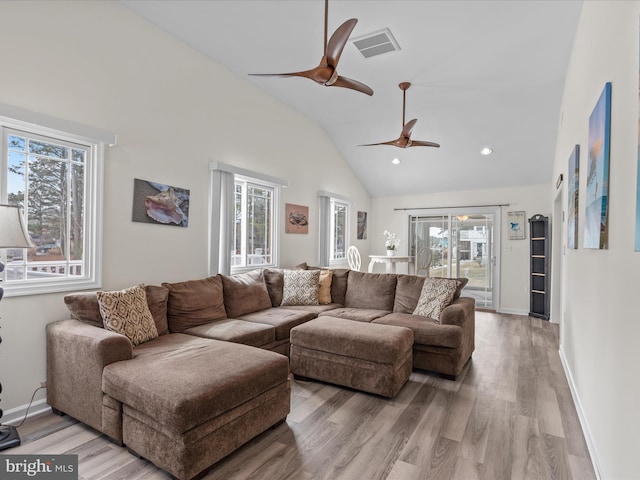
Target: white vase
391,253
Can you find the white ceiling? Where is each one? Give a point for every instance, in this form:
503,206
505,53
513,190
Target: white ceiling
482,73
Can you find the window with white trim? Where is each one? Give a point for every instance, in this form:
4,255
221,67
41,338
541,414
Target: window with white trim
339,232
53,176
255,224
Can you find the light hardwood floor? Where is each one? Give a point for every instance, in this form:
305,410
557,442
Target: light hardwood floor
509,415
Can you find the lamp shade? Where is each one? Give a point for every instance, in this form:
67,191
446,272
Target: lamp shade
13,233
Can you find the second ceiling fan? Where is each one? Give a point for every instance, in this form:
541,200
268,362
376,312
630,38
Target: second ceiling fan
326,73
404,141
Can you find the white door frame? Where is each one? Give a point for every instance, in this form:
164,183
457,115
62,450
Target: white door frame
557,260
496,211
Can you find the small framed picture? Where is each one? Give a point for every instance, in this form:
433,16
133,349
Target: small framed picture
296,218
516,225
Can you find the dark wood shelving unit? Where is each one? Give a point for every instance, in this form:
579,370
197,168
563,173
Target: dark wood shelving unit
539,290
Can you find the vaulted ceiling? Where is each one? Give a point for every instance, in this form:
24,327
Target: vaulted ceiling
483,73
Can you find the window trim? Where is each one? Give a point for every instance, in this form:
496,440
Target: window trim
42,125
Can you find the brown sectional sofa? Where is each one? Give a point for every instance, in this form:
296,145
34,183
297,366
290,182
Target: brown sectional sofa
201,389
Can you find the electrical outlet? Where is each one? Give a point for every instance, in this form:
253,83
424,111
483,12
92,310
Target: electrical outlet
43,384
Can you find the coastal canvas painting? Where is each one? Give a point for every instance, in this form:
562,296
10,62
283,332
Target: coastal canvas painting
597,199
160,204
296,218
574,191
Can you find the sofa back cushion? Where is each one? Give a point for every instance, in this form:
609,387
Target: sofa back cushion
84,306
339,285
245,293
370,290
274,280
408,292
194,302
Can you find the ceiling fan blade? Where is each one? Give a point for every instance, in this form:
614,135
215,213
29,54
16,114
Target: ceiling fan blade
390,142
305,73
420,143
352,84
408,127
338,40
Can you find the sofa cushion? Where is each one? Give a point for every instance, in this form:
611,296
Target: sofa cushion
194,302
339,281
426,331
315,309
283,319
462,282
408,292
157,298
300,287
436,295
237,331
245,293
324,287
357,314
274,280
126,312
194,393
370,290
84,306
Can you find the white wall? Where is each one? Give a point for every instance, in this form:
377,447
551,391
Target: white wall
174,111
514,271
600,341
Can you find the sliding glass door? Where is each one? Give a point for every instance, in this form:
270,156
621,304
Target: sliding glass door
457,244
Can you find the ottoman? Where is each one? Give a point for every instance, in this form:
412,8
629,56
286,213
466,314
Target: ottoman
187,402
365,356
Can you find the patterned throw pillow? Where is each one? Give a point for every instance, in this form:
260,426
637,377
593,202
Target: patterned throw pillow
324,289
436,295
300,287
127,312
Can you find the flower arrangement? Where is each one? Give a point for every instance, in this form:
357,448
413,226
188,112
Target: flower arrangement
392,242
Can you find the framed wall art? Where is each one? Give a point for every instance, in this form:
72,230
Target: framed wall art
362,226
574,192
597,198
296,218
516,225
160,204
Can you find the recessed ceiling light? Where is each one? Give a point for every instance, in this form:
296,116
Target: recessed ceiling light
396,161
486,151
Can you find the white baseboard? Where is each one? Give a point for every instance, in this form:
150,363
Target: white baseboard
513,311
15,415
583,420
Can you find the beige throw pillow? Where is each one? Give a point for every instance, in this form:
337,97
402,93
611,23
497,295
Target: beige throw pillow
127,312
300,287
436,295
324,289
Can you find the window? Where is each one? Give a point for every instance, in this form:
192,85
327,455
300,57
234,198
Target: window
53,177
334,229
254,228
339,231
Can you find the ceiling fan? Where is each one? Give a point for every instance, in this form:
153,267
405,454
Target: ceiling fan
326,73
404,141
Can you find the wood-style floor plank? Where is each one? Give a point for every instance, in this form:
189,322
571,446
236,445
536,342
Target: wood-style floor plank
509,415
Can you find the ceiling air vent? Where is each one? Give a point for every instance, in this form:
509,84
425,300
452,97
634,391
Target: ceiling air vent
376,43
